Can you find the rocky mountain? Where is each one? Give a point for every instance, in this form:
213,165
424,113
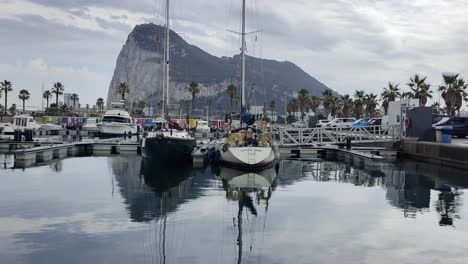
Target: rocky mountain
140,64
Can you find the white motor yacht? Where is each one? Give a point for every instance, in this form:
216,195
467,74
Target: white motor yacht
202,127
20,122
91,124
117,122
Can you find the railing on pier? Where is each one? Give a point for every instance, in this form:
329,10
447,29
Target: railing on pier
312,136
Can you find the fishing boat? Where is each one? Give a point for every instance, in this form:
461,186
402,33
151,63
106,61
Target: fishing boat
247,147
117,121
171,143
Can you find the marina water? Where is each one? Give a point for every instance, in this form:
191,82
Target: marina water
119,209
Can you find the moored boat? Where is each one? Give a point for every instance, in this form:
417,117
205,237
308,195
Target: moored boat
117,122
170,145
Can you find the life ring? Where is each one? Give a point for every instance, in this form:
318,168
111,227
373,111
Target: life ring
407,122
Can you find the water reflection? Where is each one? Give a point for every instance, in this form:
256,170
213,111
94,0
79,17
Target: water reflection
240,186
405,185
121,209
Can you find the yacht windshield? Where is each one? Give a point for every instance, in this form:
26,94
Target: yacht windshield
116,119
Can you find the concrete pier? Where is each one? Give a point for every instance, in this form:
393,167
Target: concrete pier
437,153
45,155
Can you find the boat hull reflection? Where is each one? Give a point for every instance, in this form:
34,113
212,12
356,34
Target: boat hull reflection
162,177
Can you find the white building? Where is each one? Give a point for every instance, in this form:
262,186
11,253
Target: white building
67,100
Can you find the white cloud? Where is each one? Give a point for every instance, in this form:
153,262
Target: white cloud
30,75
346,44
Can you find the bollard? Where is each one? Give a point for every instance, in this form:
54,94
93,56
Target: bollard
17,135
348,143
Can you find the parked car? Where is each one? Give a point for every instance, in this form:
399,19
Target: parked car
322,123
374,124
459,124
361,122
300,124
439,119
341,122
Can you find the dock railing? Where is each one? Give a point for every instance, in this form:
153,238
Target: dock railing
286,136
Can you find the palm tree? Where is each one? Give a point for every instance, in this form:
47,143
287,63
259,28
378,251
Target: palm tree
232,92
436,108
23,96
57,89
334,105
462,94
390,94
371,103
314,103
327,100
123,89
74,97
272,108
347,102
303,100
100,104
47,95
359,97
193,90
292,106
419,89
451,91
6,87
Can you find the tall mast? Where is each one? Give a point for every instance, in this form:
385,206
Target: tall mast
243,56
167,52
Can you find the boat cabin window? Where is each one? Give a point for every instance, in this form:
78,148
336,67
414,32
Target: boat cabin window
21,122
116,119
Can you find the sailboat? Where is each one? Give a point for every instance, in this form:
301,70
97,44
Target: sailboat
171,144
248,147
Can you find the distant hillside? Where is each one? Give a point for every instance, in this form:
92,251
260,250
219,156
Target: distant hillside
140,65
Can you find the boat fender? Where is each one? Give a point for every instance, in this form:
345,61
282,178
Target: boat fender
407,122
225,147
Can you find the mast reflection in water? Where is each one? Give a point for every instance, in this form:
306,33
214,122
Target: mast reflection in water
240,186
119,209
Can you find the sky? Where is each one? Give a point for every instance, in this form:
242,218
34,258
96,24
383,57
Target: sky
346,44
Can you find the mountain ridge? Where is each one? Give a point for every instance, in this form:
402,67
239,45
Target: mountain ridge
140,64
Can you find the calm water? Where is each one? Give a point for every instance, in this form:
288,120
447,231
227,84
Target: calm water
121,210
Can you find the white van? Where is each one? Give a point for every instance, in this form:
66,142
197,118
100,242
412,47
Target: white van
346,122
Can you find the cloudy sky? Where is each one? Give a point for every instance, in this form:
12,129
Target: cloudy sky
346,44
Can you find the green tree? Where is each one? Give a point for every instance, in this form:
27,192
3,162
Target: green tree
292,106
371,102
123,89
232,92
419,89
57,89
303,100
390,94
347,105
12,109
334,105
6,87
453,92
100,104
23,96
47,95
327,100
462,94
193,90
74,97
359,97
314,103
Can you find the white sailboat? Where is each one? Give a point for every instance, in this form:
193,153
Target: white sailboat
247,147
171,144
